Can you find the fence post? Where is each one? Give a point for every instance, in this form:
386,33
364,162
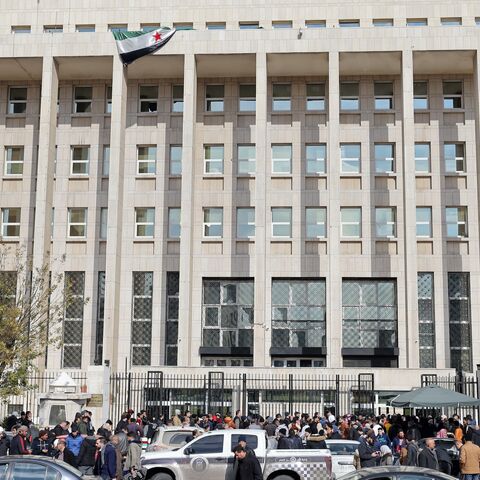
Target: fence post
129,386
337,395
290,394
244,395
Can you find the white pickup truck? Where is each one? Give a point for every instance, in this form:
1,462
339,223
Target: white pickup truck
210,456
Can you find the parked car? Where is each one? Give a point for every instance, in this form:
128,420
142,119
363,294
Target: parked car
342,455
396,473
170,438
449,444
21,467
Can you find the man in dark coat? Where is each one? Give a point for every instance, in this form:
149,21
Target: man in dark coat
19,443
366,451
428,456
246,466
64,454
86,456
42,444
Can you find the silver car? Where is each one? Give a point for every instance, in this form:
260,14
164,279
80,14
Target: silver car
21,467
342,455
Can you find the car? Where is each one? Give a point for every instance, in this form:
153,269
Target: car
170,438
342,455
396,473
450,445
21,467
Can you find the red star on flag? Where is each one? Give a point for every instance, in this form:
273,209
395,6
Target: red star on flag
157,37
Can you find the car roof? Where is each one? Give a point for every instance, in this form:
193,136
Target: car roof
180,429
338,441
365,472
28,457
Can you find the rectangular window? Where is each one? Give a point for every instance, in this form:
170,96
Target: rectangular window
144,222
85,28
146,160
103,223
171,334
350,157
246,222
315,221
214,98
282,159
385,222
148,98
422,158
246,100
315,155
213,159
454,156
11,218
383,95
17,100
420,95
53,29
80,160
246,159
426,319
213,222
351,218
82,100
315,96
227,313
149,27
106,161
108,99
117,27
248,25
452,95
281,97
383,22
142,300
14,157
100,319
384,158
21,29
477,21
451,21
417,22
282,24
177,98
456,219
281,222
175,159
216,25
183,25
349,96
424,222
349,23
77,223
315,24
174,222
73,320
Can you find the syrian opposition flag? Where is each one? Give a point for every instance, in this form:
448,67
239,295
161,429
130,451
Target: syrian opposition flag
133,45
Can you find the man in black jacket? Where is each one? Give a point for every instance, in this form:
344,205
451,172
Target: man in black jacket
246,466
86,456
19,444
368,455
64,454
428,456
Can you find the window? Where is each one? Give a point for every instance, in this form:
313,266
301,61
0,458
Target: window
177,98
84,28
216,25
252,441
282,159
77,223
281,222
456,218
108,99
171,334
246,159
420,95
383,95
31,470
213,159
477,21
315,96
454,156
11,218
80,160
315,155
450,21
282,24
82,100
452,95
53,29
249,25
142,300
144,222
351,218
385,222
175,159
350,157
422,158
149,27
247,101
183,25
213,222
146,160
103,223
426,319
214,98
14,157
19,29
246,222
174,223
315,220
17,100
227,313
349,96
281,97
384,158
106,161
424,222
349,23
148,98
417,22
208,445
117,27
315,23
100,319
383,22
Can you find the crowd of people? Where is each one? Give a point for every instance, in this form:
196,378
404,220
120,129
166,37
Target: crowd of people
113,451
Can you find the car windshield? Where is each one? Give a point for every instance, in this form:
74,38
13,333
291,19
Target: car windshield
342,448
444,443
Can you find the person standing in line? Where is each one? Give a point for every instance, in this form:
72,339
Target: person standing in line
19,443
246,467
428,456
470,458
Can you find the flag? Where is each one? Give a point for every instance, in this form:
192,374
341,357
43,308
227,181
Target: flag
133,45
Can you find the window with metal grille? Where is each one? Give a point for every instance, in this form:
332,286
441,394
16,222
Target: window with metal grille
298,313
100,318
426,320
73,320
460,324
227,315
369,313
171,328
142,318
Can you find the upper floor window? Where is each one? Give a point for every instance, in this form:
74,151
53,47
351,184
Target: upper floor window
451,21
248,25
149,27
420,95
383,95
175,159
106,161
246,222
281,97
456,219
246,101
77,223
183,25
452,94
14,157
214,98
146,160
417,22
350,157
315,23
315,220
80,160
174,222
108,99
282,158
17,100
84,28
422,158
11,222
148,98
424,222
383,22
355,23
385,222
117,27
144,222
349,96
351,222
315,96
454,155
21,29
282,24
177,98
213,158
82,100
52,28
213,222
103,223
384,158
246,159
315,155
282,222
216,25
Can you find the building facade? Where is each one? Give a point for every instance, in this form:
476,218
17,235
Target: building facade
290,187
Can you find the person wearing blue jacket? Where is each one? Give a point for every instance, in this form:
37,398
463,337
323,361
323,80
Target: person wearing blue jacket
74,441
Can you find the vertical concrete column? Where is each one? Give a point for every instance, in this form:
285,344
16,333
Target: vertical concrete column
187,221
115,211
408,342
261,339
334,282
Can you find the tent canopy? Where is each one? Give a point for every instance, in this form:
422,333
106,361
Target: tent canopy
434,396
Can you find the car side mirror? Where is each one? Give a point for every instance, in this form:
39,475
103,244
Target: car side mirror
187,451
